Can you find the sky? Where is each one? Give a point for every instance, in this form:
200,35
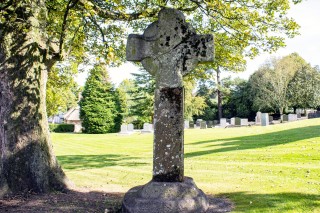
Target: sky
307,45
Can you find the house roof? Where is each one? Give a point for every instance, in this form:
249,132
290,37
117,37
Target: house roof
73,114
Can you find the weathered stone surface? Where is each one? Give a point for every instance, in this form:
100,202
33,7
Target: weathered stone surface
168,50
203,125
258,118
168,138
163,197
237,121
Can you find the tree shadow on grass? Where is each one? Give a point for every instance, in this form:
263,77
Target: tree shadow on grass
72,201
279,202
80,162
98,201
256,141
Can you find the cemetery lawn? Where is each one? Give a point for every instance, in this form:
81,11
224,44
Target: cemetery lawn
260,169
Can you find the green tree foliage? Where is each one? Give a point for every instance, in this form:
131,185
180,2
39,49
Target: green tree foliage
72,30
126,90
193,104
304,88
207,90
275,83
142,97
239,103
100,107
62,90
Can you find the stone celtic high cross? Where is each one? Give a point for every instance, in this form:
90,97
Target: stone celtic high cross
168,50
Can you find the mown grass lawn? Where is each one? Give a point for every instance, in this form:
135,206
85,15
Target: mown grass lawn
260,169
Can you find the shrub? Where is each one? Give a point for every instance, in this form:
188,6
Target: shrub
61,127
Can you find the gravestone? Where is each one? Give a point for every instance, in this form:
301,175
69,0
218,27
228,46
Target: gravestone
124,130
210,124
168,50
237,121
130,128
215,122
223,122
233,121
198,122
292,117
264,119
147,128
285,118
258,118
270,118
186,124
191,124
311,115
203,125
244,122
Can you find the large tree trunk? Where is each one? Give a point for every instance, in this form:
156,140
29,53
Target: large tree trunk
27,162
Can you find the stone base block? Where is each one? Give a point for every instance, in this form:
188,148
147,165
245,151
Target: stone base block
165,197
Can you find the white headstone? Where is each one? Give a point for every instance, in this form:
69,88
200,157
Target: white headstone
223,122
258,118
130,127
186,124
124,130
292,117
233,121
147,128
264,119
244,122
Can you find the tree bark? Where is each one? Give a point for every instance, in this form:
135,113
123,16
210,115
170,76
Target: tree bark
219,94
27,162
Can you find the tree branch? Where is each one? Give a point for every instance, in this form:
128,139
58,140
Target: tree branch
118,16
6,6
71,4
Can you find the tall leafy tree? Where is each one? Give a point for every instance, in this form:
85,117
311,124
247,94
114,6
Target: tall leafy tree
62,91
270,83
304,88
36,34
100,106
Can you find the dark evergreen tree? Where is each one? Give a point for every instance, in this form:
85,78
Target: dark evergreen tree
100,107
207,90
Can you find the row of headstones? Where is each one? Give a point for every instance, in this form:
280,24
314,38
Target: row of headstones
199,124
314,115
129,128
210,124
264,119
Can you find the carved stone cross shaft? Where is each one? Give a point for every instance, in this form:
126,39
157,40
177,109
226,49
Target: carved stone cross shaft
168,50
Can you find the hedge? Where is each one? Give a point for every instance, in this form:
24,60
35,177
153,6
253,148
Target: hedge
61,127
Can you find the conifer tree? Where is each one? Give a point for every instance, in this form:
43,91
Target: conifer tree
100,107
